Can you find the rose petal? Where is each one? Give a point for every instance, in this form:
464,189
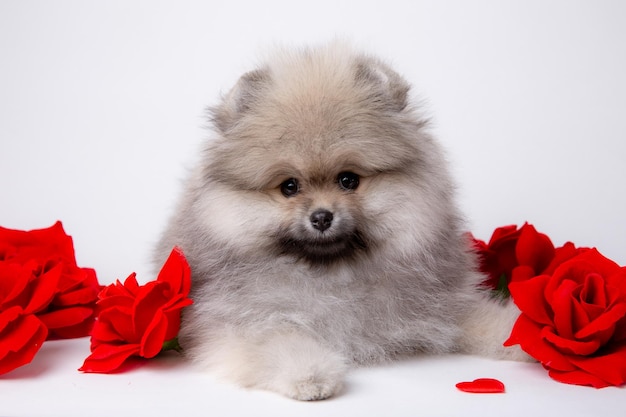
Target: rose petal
21,337
44,290
594,292
509,232
66,317
562,254
154,336
17,329
606,322
569,346
107,358
569,315
529,335
81,295
71,332
176,303
176,272
578,267
610,366
528,295
14,280
119,319
577,377
150,299
522,273
482,386
617,281
534,249
115,301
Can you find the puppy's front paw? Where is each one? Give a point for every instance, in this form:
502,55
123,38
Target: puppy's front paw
303,369
311,384
312,388
288,363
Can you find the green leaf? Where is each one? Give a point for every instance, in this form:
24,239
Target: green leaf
172,345
502,290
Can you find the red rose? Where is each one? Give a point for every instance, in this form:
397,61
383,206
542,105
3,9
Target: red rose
510,247
573,320
137,320
24,291
71,310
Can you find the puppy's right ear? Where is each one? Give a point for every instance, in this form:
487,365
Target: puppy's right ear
385,85
240,99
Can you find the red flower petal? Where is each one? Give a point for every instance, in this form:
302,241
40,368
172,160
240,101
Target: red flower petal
103,332
609,367
534,249
522,273
568,312
482,386
107,358
530,336
569,346
21,336
578,377
71,332
119,320
606,321
617,281
150,299
42,245
504,233
15,279
176,272
44,290
578,267
118,294
528,295
86,292
176,303
66,317
154,336
562,254
130,284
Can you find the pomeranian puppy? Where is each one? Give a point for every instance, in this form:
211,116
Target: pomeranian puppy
322,231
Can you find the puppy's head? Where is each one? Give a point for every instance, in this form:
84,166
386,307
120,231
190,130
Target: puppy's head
323,148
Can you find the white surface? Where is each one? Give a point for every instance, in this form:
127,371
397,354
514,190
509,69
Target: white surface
101,107
166,386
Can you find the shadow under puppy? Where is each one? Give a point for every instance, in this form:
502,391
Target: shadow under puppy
321,229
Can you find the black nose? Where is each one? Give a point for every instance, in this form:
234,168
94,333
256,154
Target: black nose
321,219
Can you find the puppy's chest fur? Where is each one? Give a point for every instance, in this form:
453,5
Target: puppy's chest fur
366,313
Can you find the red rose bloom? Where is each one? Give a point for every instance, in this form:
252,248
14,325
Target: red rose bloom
573,319
509,248
24,291
137,320
70,312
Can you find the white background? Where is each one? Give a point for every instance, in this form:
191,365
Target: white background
102,108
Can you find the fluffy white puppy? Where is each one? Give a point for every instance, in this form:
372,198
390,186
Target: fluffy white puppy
322,231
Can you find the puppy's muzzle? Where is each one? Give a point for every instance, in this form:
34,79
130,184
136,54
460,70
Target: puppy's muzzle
321,219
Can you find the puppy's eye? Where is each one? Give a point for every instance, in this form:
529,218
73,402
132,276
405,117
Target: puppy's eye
348,180
290,187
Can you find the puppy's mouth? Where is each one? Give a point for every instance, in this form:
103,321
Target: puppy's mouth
323,250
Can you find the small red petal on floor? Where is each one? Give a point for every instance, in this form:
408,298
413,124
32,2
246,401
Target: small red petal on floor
482,386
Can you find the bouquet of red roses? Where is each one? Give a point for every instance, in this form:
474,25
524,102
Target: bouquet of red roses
572,302
45,295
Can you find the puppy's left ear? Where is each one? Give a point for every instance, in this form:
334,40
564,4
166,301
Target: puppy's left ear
386,85
240,99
